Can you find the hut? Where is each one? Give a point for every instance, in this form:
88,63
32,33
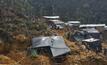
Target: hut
52,46
78,36
73,25
99,27
56,24
92,44
86,34
92,32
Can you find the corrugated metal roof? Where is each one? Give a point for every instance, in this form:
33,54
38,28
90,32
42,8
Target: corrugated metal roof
92,25
73,22
59,51
56,44
40,42
57,21
91,30
51,17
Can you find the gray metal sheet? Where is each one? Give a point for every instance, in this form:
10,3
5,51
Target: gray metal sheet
59,51
40,42
56,44
91,30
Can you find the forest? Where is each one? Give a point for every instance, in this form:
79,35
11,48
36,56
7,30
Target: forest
87,11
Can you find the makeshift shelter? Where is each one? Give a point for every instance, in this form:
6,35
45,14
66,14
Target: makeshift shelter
32,52
93,44
86,34
54,46
99,27
78,36
73,25
56,24
92,32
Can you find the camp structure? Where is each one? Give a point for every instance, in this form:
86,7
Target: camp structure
86,34
99,27
78,36
92,44
56,24
53,46
92,32
73,25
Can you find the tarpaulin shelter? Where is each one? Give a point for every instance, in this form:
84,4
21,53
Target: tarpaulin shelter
86,34
73,25
99,27
56,24
92,32
32,52
93,44
79,36
55,45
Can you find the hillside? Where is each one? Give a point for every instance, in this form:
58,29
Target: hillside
23,21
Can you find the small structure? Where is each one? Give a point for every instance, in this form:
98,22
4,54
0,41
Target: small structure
56,24
73,25
53,46
78,36
86,34
92,32
92,44
99,27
